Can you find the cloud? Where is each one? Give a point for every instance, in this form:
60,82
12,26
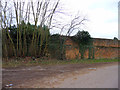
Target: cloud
104,30
102,15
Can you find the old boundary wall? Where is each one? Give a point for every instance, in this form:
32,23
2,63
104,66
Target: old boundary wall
102,49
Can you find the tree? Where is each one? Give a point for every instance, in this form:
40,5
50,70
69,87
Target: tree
83,39
45,14
74,24
26,38
5,22
55,47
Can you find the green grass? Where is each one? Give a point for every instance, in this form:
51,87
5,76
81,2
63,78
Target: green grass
22,62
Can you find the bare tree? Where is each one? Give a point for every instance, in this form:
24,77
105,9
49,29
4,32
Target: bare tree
44,14
6,19
73,25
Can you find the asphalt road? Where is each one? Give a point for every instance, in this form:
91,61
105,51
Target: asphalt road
104,77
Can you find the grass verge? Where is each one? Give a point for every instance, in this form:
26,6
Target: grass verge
23,62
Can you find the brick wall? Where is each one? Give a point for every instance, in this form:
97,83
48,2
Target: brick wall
102,48
105,42
106,48
106,52
72,51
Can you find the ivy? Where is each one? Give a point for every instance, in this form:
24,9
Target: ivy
56,47
84,41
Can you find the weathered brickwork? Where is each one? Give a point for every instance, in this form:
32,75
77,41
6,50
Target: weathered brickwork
106,52
102,48
105,42
72,51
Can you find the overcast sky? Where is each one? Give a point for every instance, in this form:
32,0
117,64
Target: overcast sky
102,16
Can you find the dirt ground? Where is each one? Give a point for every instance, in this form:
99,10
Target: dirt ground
44,76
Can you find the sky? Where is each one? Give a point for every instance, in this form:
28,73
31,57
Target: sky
102,16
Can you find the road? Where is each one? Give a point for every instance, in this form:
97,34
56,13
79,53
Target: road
105,77
98,75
